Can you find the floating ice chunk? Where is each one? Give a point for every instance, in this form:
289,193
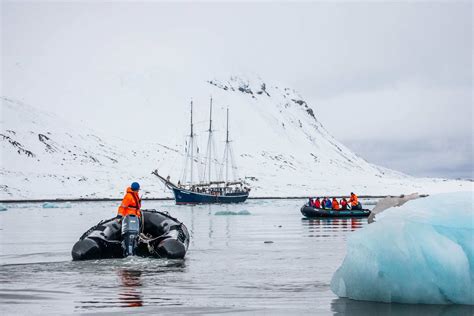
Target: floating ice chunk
3,207
421,252
57,205
244,212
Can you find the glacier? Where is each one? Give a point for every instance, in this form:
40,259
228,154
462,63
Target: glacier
418,253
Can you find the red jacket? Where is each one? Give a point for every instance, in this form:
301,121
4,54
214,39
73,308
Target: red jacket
344,204
317,204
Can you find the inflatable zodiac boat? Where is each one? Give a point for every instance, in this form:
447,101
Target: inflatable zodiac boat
157,234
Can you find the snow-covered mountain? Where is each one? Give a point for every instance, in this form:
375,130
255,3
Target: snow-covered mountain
281,148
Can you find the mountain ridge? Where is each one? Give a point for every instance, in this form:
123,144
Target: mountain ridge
281,147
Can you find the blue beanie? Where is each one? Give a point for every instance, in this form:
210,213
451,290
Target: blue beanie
135,186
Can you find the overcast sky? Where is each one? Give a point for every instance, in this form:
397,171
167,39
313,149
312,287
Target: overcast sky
392,81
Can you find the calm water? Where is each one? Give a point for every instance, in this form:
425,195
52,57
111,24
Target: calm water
228,269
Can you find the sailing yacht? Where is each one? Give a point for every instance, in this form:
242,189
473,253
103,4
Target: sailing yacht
206,189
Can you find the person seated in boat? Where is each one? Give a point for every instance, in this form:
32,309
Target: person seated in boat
131,202
354,202
328,204
323,203
310,202
343,204
335,204
317,203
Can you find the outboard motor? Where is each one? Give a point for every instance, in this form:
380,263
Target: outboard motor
130,231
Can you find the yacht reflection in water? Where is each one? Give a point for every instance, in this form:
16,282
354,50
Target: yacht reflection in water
130,294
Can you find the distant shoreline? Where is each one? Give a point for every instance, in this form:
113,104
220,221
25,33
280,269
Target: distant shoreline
171,199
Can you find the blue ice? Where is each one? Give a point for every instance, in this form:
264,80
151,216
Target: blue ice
57,205
421,252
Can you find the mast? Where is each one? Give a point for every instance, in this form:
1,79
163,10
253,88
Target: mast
228,154
210,139
192,142
210,117
227,144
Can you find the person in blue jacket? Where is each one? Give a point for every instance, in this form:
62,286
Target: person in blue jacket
328,204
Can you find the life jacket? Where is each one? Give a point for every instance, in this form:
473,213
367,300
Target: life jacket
317,204
353,200
335,205
130,204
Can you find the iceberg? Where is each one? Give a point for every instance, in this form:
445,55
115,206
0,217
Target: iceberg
57,205
419,253
244,212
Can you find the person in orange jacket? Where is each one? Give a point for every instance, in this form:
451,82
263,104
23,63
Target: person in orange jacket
131,202
335,204
354,201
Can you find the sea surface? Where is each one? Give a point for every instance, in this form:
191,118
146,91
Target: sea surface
267,260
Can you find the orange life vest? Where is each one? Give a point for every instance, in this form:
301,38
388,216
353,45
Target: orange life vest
335,205
353,200
130,204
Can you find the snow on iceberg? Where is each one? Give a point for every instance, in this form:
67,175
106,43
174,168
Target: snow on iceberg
421,252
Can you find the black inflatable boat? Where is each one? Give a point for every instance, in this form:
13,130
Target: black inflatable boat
310,211
156,235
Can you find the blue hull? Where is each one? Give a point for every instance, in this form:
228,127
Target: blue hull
188,197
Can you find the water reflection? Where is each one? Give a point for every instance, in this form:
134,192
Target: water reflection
130,294
344,306
326,225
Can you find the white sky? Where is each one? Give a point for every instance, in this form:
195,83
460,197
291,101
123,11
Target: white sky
393,81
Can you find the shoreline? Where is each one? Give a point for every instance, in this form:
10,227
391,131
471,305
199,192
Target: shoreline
171,199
